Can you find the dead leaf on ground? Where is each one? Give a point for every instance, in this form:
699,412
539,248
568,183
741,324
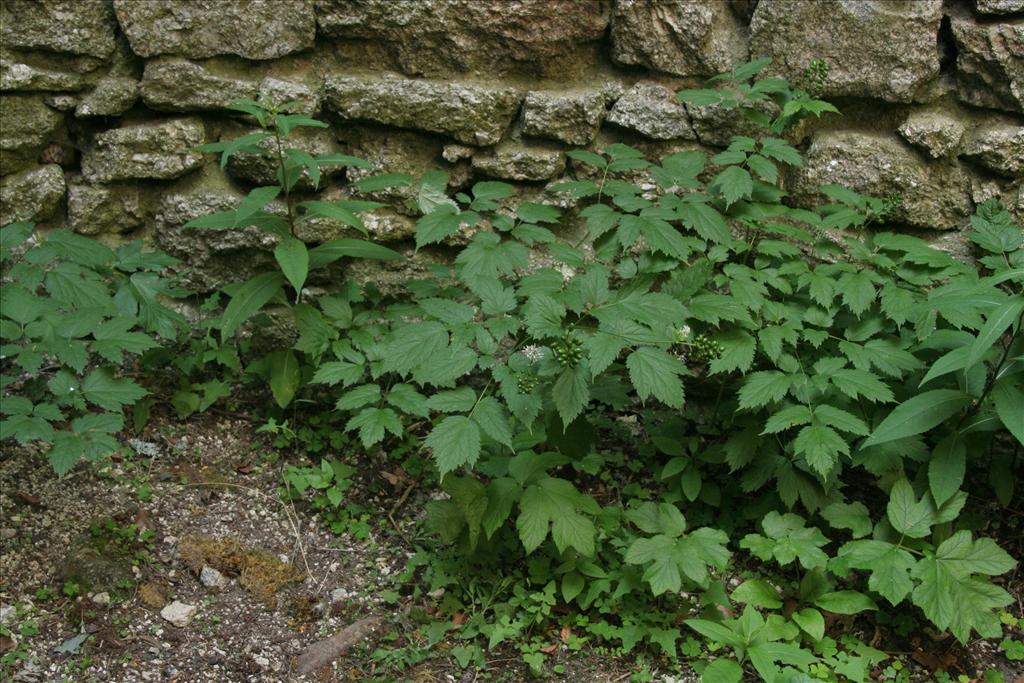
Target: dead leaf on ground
934,662
7,644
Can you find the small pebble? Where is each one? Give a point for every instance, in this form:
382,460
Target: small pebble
211,578
179,613
101,599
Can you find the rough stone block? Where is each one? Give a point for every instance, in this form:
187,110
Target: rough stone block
473,114
173,84
679,37
165,149
81,27
990,63
95,210
111,97
998,148
438,37
16,75
572,118
26,126
515,162
653,111
934,132
883,49
936,195
32,195
256,29
999,6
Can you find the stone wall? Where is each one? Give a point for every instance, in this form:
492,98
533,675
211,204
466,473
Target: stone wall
104,101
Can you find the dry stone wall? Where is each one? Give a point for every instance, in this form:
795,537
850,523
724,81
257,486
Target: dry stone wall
104,101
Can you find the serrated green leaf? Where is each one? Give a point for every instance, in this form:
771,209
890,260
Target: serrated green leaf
104,390
757,593
491,418
454,442
654,372
907,514
571,392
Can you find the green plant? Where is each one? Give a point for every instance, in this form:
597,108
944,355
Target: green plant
71,311
807,386
321,323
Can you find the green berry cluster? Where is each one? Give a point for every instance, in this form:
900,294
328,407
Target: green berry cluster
568,351
526,382
703,349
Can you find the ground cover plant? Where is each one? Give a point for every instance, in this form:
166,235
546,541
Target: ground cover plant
716,427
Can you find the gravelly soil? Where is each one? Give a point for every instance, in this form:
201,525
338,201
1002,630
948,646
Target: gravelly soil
212,478
197,490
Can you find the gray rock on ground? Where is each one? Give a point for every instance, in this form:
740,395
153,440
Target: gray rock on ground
213,579
179,614
196,29
160,149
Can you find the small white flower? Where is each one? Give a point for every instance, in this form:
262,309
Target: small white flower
683,333
533,353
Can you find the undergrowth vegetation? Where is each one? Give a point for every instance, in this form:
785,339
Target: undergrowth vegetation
715,426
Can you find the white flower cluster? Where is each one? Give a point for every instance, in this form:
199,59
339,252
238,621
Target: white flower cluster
683,334
533,353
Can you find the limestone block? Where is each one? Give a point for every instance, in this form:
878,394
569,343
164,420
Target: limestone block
999,6
112,96
173,84
99,209
516,162
81,27
32,195
990,63
16,75
653,111
936,133
256,29
572,118
162,149
678,36
998,147
936,195
438,37
473,114
883,49
214,257
26,126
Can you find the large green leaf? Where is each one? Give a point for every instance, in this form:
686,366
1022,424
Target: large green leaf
997,323
329,252
907,514
656,373
918,415
455,442
103,389
946,468
284,376
1009,402
254,202
571,392
247,299
293,258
